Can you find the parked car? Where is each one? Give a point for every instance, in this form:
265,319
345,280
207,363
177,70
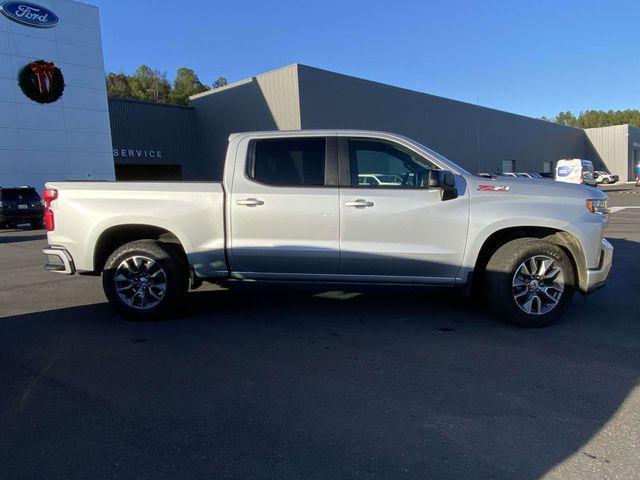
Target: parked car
523,175
290,209
575,171
605,177
379,179
20,205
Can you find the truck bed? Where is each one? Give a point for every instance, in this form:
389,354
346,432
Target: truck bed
191,211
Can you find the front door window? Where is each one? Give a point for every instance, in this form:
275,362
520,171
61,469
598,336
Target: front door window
380,164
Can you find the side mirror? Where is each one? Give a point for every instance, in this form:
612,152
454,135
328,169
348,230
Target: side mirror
445,181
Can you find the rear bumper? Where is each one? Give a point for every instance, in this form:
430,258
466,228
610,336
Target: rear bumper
59,261
597,277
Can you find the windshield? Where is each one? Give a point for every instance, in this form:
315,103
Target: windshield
436,156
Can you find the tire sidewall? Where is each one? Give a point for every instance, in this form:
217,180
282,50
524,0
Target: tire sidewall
499,278
165,259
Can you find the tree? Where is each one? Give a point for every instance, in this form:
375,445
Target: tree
118,85
598,118
153,86
150,85
220,82
186,84
566,118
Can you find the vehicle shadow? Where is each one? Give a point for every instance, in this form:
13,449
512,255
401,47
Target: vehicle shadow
316,381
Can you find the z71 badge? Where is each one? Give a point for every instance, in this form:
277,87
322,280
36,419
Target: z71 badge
493,188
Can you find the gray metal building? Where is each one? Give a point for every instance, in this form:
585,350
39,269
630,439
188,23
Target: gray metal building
618,147
153,141
192,140
298,96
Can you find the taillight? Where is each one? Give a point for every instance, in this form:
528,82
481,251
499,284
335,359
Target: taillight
49,195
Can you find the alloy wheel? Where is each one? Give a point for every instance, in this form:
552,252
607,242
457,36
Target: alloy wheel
140,282
538,285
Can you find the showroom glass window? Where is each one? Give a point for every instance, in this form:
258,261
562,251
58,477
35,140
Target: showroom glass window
380,164
289,162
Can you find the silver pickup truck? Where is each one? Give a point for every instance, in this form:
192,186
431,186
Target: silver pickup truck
301,206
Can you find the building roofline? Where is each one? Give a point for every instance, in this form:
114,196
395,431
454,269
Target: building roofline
434,96
298,65
613,126
240,82
146,102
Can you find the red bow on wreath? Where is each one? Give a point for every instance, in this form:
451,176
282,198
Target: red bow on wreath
43,72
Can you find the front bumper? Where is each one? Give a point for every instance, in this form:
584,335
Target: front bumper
59,261
597,277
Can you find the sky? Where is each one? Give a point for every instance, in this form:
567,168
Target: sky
529,57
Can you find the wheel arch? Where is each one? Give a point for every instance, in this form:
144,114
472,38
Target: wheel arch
568,242
115,236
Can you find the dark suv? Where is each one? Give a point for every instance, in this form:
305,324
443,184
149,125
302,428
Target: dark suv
20,205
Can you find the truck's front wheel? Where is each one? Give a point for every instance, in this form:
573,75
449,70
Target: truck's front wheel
529,282
144,279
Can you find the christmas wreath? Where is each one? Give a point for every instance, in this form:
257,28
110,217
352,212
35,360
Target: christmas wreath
41,81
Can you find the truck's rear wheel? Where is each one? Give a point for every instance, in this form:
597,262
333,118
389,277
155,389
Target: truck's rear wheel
529,282
144,279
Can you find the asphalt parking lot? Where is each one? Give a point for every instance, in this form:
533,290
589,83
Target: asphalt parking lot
315,383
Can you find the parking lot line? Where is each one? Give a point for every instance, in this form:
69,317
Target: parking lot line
618,209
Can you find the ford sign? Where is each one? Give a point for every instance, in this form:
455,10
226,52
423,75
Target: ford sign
29,14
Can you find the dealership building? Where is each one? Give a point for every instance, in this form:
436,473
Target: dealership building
56,121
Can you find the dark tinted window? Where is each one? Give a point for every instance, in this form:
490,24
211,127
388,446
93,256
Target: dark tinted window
19,195
382,164
289,162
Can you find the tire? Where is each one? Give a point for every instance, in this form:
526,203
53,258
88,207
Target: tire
37,225
505,280
606,181
145,279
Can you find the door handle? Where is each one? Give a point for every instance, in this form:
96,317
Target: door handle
359,204
250,202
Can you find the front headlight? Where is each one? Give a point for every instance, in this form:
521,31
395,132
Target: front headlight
600,207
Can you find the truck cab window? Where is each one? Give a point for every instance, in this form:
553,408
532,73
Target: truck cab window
289,162
382,164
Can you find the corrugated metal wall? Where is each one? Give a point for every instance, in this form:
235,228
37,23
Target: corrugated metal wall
633,141
267,102
611,146
477,138
151,127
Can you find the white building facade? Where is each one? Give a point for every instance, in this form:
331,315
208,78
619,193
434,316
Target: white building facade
70,137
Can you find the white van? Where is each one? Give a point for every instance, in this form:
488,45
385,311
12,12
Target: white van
575,170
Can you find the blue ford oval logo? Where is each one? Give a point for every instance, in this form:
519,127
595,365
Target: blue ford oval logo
29,14
565,171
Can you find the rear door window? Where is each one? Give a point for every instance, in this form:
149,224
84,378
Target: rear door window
298,162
